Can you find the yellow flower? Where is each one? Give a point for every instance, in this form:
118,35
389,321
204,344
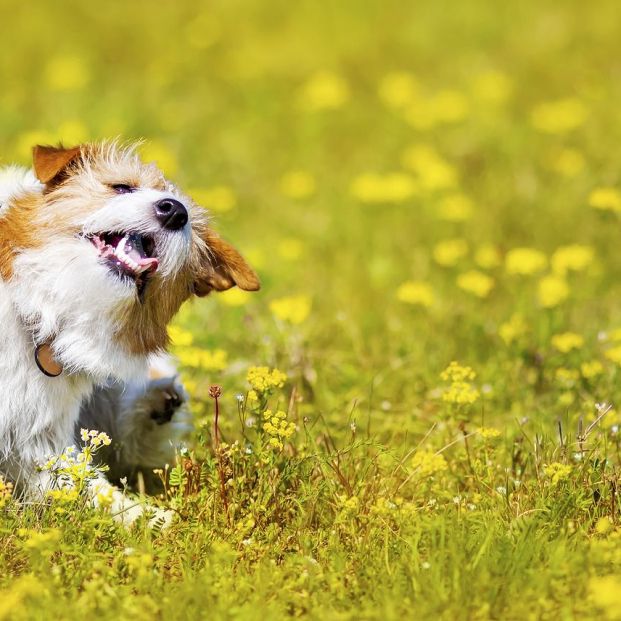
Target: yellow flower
567,378
487,256
218,199
488,433
180,337
292,309
432,170
513,329
605,199
567,341
323,91
297,184
557,472
604,526
262,379
525,261
492,86
72,132
567,162
552,290
23,146
591,369
476,282
448,253
455,208
234,297
66,73
398,89
427,463
392,187
559,117
460,391
614,354
416,292
209,360
158,152
604,592
574,258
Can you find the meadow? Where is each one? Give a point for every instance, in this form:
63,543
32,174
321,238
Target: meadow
419,411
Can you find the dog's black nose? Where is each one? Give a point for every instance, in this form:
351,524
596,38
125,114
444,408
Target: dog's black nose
171,214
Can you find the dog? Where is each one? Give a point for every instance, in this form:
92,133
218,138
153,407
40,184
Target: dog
98,250
148,422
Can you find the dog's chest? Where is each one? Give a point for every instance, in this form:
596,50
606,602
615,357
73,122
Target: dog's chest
33,405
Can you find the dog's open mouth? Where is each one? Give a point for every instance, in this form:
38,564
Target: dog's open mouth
130,255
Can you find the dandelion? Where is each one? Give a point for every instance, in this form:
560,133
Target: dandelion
591,369
559,117
206,359
392,187
297,184
455,208
557,472
180,337
449,252
324,90
416,292
605,199
567,341
604,592
291,309
427,463
219,198
614,355
567,162
432,170
398,89
552,290
525,261
475,282
573,258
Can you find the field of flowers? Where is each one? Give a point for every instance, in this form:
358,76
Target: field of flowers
419,412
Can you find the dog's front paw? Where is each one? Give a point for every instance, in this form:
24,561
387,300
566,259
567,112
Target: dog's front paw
164,397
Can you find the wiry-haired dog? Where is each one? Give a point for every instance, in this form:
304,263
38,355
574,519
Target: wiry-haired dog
97,253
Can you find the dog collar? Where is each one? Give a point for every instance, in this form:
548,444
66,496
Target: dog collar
47,363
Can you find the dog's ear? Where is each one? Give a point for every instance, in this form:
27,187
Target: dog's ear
49,162
222,267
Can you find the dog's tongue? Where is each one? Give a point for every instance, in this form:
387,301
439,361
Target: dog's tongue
134,250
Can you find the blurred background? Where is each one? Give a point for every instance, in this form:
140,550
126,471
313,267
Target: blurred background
414,182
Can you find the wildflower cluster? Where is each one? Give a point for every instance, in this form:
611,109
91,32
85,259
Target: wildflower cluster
426,463
6,489
263,380
460,391
277,427
557,472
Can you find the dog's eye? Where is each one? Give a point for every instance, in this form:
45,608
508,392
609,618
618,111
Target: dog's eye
122,188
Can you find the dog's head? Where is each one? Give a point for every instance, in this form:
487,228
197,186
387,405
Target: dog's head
104,252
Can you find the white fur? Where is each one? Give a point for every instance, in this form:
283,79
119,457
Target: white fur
61,291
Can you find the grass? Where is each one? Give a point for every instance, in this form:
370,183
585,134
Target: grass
415,185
